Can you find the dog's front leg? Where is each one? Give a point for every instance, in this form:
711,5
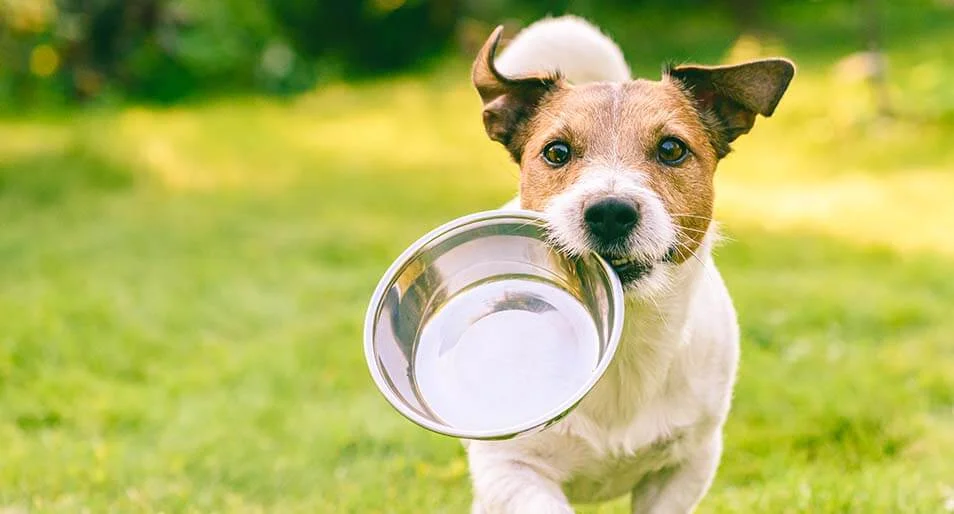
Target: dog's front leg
509,483
678,490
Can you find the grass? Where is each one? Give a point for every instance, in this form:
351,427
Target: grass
182,293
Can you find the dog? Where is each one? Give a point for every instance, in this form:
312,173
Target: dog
624,167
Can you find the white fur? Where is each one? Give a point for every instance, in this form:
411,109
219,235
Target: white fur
569,44
652,426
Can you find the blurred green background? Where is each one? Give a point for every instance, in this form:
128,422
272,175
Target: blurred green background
197,198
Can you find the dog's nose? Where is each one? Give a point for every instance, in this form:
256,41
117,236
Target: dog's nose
611,218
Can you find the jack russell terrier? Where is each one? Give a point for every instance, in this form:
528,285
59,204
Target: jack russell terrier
625,168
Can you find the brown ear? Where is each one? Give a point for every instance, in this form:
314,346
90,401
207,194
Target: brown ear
509,102
729,97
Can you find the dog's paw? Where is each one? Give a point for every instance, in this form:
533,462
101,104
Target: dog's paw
543,504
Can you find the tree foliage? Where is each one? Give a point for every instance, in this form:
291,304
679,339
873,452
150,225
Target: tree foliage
69,50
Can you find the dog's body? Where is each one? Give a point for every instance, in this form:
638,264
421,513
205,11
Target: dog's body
652,426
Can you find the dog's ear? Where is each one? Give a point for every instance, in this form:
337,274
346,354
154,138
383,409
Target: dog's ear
729,97
509,102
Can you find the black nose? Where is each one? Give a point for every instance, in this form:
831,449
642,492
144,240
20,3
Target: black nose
611,218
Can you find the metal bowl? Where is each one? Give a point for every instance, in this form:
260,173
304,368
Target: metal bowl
481,330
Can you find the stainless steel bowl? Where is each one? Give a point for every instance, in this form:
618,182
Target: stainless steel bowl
481,330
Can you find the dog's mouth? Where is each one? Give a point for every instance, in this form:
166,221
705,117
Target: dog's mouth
630,269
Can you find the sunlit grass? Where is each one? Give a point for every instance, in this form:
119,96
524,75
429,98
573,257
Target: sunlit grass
183,289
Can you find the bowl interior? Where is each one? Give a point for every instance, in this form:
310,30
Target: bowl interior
482,330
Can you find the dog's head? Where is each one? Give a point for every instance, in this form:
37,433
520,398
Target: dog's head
626,169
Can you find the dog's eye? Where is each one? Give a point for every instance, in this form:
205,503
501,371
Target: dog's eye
671,151
556,153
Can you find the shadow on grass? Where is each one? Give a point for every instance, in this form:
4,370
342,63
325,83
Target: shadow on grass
50,177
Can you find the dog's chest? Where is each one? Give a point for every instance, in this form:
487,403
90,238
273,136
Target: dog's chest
613,455
609,476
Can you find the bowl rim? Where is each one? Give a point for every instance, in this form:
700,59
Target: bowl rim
376,304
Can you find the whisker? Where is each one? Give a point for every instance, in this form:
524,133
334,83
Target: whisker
705,269
704,218
686,213
662,316
717,236
694,230
691,253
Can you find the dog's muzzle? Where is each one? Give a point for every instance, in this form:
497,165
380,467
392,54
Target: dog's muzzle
611,220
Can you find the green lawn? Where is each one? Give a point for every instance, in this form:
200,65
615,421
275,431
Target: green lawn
182,293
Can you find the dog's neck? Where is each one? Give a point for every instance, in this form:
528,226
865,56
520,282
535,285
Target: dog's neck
654,334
